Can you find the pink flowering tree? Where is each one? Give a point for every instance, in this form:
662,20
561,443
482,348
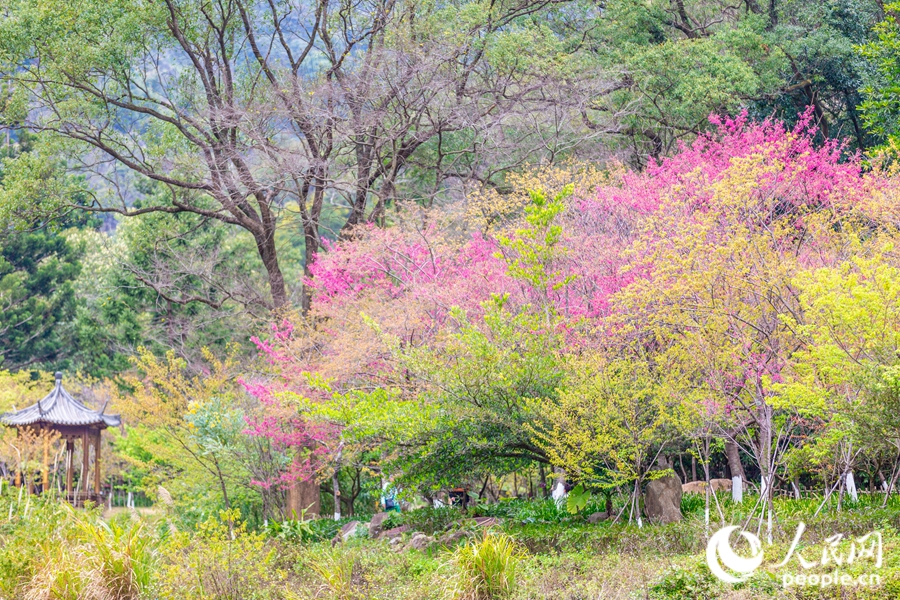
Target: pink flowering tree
691,263
741,212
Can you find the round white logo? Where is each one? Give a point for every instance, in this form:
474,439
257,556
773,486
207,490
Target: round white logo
719,550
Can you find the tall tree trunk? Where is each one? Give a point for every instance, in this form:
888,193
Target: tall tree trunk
265,244
336,491
733,455
335,483
766,421
311,216
303,496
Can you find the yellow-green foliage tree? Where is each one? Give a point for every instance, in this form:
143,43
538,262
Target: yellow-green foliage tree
718,303
846,377
607,425
186,433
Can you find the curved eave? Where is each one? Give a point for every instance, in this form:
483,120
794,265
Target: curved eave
17,420
61,409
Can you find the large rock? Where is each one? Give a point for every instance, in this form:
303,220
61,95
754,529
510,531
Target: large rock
693,487
420,541
376,525
720,485
348,531
452,538
699,487
597,517
662,500
393,533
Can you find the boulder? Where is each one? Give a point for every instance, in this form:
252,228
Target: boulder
597,517
662,500
486,521
419,541
693,487
376,525
349,530
721,485
452,538
699,487
393,533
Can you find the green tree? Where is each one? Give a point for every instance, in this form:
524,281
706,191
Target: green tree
241,110
680,61
881,81
846,374
607,424
479,382
37,299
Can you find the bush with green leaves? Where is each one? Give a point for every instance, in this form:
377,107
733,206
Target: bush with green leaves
679,583
29,525
487,568
430,520
103,560
221,560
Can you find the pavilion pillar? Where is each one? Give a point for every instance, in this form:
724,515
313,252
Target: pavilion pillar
70,459
18,467
97,465
85,465
45,479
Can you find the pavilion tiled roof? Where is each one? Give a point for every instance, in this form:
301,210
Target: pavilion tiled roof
59,408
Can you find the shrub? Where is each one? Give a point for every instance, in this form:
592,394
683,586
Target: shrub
289,530
122,557
429,520
677,583
220,560
486,569
695,504
528,511
101,561
29,527
335,568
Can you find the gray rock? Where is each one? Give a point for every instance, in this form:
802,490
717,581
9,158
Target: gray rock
349,530
662,500
452,538
486,521
597,517
376,525
393,533
419,541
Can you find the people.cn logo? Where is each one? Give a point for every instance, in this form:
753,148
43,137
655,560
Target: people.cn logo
723,561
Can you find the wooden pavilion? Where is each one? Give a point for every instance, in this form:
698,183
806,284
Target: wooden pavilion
60,412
